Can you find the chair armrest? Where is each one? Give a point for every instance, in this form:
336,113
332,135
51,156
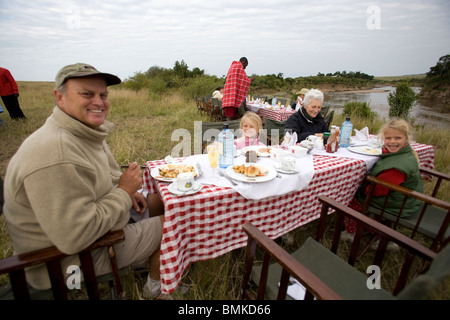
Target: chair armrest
418,195
44,255
290,264
380,229
435,173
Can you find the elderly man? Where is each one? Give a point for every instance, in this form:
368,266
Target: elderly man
236,88
9,92
64,188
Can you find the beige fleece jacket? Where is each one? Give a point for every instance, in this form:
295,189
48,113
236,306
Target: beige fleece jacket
61,189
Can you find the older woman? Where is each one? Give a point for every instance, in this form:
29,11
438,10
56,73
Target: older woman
308,120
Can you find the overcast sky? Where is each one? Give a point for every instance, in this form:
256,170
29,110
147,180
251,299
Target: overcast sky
293,37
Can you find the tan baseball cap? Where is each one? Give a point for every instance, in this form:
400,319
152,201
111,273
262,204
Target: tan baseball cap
80,70
303,91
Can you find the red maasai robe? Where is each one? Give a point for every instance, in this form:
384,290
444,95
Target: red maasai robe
236,86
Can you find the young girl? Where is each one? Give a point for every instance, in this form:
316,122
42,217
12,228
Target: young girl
398,164
250,125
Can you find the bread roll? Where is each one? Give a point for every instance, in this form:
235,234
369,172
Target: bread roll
251,171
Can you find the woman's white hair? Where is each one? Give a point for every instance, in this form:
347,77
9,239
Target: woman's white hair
312,94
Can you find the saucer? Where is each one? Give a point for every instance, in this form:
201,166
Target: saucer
197,186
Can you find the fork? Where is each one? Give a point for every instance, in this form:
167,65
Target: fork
225,176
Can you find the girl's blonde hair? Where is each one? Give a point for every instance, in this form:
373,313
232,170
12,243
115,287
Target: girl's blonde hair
400,125
253,118
397,124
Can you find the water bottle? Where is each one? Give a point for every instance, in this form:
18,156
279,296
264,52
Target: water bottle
274,102
226,140
346,132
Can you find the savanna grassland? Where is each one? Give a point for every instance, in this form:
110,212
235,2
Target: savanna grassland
144,123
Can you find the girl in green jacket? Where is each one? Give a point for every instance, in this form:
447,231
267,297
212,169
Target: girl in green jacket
398,164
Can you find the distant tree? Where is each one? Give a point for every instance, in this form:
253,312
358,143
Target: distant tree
401,101
442,68
196,72
181,69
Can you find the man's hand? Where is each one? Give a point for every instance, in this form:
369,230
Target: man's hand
139,203
131,179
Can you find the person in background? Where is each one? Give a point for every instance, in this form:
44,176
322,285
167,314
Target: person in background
308,120
9,92
300,97
236,88
250,125
398,164
218,93
63,187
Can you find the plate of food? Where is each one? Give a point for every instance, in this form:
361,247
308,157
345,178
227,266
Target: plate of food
169,172
261,151
251,173
366,150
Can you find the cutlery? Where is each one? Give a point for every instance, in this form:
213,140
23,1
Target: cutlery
227,177
125,166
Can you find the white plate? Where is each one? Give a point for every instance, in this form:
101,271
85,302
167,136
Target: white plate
271,174
366,150
196,187
156,175
256,148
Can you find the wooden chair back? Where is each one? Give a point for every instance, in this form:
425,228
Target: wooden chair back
317,284
324,111
274,130
15,266
210,130
431,219
329,118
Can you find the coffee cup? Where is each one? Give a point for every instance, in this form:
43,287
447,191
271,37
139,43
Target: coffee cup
298,151
277,154
288,163
185,181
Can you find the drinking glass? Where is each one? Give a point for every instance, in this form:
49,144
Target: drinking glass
213,156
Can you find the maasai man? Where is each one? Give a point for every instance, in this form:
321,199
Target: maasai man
236,88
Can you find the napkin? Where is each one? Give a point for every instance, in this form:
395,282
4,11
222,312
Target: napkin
290,139
362,134
168,159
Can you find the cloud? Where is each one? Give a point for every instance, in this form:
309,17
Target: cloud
296,38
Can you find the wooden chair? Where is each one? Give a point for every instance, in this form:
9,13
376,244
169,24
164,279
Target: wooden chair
2,199
431,219
51,256
207,106
199,104
275,129
329,118
324,111
217,111
325,275
210,130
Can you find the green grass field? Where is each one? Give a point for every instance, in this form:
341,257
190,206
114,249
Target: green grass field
144,126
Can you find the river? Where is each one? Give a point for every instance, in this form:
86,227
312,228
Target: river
378,101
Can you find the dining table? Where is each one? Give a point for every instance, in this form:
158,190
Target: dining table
208,223
277,113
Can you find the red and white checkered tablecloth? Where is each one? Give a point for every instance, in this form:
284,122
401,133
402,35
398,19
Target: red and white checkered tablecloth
274,114
209,223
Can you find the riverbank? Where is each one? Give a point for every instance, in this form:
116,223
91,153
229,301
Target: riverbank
436,97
